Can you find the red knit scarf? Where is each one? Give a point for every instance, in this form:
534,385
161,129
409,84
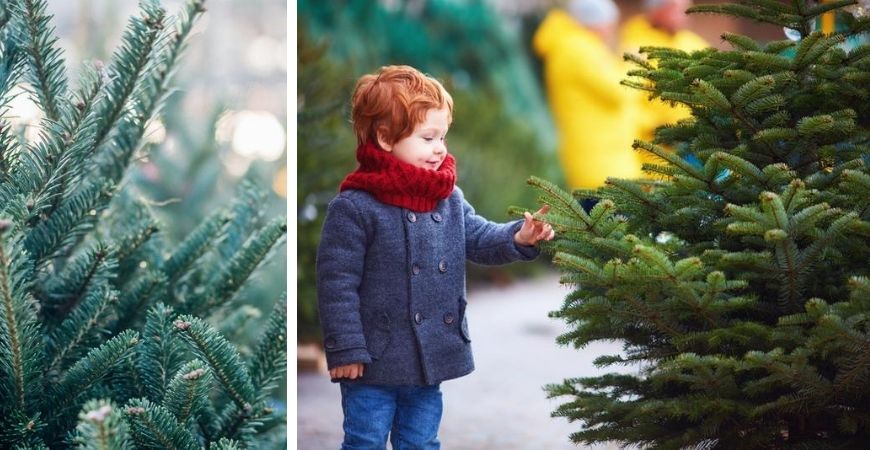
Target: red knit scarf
395,182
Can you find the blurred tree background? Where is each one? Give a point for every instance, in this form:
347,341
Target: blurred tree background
501,131
223,126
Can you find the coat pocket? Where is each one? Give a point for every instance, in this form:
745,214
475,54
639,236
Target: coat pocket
463,321
378,339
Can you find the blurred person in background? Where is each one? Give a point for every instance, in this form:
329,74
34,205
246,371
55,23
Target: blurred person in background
594,114
662,24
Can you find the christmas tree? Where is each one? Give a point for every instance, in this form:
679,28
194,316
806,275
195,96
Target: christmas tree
110,335
736,274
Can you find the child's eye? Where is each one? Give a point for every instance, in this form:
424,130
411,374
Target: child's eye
428,139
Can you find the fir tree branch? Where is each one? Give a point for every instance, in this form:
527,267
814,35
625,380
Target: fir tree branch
136,296
73,218
80,323
20,345
128,64
188,391
221,356
101,427
149,93
195,245
269,362
64,291
240,267
44,59
155,427
134,240
159,355
227,444
94,366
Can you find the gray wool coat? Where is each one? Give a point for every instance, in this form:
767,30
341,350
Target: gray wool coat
391,285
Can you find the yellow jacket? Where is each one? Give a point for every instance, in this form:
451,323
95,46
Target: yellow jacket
637,32
592,111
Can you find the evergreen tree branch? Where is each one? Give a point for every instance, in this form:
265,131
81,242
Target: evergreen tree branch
266,368
136,297
44,59
94,366
150,92
233,275
188,391
102,427
155,427
75,216
195,245
81,323
227,444
128,64
220,355
64,291
20,345
159,355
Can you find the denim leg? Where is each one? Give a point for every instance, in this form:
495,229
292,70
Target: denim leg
418,417
368,415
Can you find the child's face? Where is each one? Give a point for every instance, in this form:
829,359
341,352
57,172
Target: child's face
426,146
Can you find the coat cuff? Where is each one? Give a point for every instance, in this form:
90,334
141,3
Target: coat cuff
523,252
344,349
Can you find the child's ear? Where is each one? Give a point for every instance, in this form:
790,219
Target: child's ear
382,141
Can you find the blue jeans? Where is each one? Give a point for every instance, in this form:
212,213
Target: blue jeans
410,415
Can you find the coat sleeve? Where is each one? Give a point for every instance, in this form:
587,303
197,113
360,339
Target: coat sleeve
493,243
339,266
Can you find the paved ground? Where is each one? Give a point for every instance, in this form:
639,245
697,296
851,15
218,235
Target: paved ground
501,405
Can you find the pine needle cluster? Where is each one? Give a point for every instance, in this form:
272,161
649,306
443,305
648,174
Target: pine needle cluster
110,335
736,274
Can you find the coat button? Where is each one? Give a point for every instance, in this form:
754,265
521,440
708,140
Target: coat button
329,344
418,318
442,266
415,269
436,217
448,318
412,217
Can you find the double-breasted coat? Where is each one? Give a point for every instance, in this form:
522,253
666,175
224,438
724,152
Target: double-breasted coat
391,285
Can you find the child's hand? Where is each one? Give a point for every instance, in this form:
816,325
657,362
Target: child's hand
352,371
534,230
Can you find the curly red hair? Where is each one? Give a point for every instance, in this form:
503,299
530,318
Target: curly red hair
393,101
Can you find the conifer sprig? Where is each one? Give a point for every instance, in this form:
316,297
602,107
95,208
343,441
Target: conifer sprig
20,344
94,366
102,427
270,356
128,63
44,59
155,427
83,321
195,245
160,354
238,269
221,357
188,391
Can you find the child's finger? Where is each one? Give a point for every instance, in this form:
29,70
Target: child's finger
544,210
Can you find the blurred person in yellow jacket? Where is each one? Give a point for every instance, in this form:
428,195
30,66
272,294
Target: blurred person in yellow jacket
662,24
592,111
